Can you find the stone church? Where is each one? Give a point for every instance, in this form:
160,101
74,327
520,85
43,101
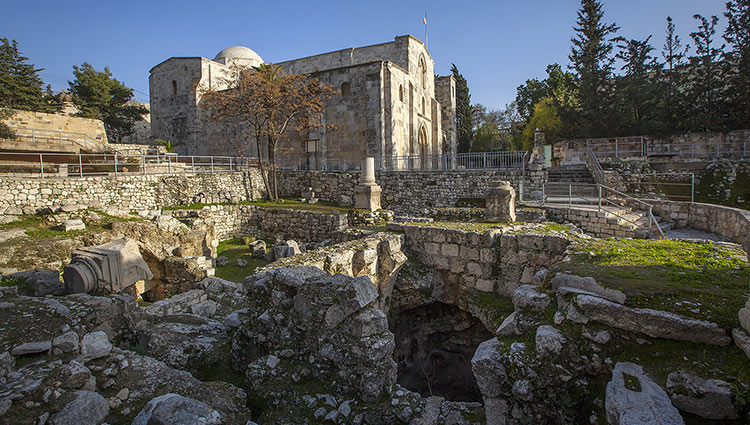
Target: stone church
389,104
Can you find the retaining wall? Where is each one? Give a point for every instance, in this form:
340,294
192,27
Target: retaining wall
732,223
405,191
134,193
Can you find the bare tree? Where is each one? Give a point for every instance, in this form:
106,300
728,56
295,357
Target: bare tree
272,105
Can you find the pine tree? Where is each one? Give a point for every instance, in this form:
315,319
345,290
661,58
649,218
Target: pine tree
672,108
592,61
464,112
99,95
20,85
737,59
705,86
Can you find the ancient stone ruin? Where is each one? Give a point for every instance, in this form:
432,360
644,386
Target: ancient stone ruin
425,297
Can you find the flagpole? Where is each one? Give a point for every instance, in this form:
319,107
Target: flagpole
426,41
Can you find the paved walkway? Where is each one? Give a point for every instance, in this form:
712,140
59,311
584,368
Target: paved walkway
692,234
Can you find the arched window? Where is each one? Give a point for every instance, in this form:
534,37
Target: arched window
174,88
423,109
400,92
422,72
346,89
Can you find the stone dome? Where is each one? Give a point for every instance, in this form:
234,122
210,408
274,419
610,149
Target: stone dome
241,54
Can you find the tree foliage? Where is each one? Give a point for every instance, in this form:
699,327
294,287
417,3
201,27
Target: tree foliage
682,89
464,112
737,61
271,105
99,95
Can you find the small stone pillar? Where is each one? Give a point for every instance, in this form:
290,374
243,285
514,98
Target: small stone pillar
367,192
501,203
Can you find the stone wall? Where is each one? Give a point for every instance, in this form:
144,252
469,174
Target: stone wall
131,193
405,191
732,223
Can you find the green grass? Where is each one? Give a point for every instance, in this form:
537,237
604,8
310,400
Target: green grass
662,273
320,206
234,249
464,225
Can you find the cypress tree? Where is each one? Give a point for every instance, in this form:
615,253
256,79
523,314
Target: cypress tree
20,85
464,112
592,60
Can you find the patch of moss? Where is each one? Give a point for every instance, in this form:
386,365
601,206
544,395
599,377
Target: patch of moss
493,307
699,280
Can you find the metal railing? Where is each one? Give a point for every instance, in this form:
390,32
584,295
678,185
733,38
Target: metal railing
44,165
595,197
594,165
639,147
57,138
461,161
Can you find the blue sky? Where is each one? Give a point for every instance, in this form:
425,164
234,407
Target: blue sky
496,45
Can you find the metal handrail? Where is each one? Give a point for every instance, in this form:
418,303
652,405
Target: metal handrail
593,162
652,218
85,139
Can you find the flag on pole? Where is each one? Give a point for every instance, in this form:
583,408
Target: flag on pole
424,20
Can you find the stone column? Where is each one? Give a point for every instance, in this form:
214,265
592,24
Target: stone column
367,192
501,203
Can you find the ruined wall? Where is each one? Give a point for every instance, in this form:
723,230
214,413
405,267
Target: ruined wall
493,261
130,193
405,192
304,226
47,136
234,221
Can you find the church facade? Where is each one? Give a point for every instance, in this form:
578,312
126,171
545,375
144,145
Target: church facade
389,104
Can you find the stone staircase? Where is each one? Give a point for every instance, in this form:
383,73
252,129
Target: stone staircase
570,174
634,221
575,180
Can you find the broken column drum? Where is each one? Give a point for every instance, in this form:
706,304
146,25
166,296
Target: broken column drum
111,267
367,192
501,200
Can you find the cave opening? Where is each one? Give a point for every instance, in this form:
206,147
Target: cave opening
434,347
